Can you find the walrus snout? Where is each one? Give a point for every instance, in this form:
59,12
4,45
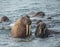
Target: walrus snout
29,22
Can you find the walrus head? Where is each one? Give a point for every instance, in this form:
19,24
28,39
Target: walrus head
38,22
40,14
41,30
4,18
27,23
42,27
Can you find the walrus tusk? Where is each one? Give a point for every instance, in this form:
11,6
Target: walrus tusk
40,30
28,27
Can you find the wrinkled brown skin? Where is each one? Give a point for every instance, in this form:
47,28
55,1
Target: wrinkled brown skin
19,29
4,19
40,14
41,33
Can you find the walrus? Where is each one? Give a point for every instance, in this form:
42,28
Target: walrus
4,19
42,31
40,14
36,14
21,28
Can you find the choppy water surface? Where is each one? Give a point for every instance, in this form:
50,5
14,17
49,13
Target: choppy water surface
15,8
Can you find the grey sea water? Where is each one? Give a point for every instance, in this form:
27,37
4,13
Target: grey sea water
16,8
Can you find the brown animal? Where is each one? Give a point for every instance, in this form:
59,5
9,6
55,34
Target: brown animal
4,19
40,14
41,30
21,29
49,18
